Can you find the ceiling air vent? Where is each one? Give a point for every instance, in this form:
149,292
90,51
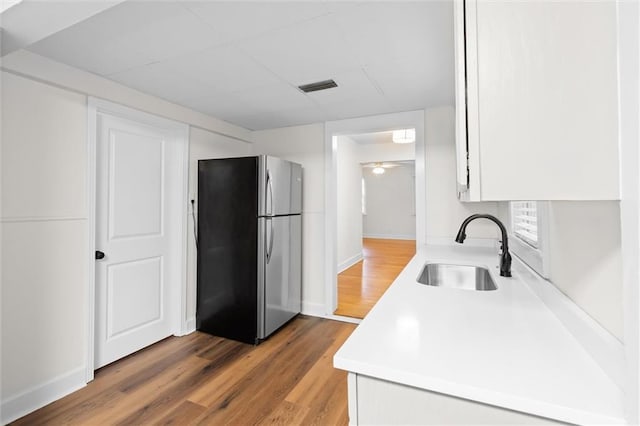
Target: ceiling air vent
320,85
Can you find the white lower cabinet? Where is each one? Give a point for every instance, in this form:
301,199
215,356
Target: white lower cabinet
378,402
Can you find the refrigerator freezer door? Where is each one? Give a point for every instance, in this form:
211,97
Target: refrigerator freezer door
280,187
283,272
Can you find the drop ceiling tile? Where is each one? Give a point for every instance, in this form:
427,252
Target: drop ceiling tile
162,82
88,50
224,67
174,32
353,87
416,77
128,16
344,110
282,118
397,31
419,99
277,97
355,96
131,34
335,7
365,31
416,28
222,105
240,61
243,19
303,53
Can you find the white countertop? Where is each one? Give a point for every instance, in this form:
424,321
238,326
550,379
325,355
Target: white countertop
502,347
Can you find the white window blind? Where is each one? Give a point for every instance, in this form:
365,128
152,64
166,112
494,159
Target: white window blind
524,221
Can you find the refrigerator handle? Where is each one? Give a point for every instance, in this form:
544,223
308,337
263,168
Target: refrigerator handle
270,247
270,188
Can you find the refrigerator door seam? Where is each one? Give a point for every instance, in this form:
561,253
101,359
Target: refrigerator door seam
262,229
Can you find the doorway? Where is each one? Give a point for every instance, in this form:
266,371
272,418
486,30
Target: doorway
361,285
367,125
138,187
376,225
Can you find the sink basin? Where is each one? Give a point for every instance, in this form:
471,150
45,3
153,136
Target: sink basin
465,277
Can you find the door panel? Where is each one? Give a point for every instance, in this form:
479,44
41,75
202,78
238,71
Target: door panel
141,264
134,295
135,196
282,271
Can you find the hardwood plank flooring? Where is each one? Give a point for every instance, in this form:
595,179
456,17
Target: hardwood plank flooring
204,380
362,285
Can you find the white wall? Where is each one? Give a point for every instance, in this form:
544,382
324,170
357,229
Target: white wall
349,203
44,229
444,212
204,145
44,69
304,145
370,153
629,62
390,203
586,258
44,221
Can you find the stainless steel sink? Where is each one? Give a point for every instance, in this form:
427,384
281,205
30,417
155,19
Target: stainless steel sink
465,277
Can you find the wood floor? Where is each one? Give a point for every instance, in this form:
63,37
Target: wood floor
362,285
200,379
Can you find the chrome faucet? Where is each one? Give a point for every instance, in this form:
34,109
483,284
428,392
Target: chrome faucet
505,256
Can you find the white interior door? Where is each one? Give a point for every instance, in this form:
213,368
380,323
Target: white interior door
138,228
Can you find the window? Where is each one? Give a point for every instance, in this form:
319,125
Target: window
528,238
524,221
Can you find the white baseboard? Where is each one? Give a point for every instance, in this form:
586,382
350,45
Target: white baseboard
313,309
317,310
476,242
349,262
30,400
603,347
343,318
390,236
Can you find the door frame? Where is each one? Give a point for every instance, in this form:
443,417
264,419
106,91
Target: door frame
375,123
179,325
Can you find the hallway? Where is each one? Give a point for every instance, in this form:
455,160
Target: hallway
362,285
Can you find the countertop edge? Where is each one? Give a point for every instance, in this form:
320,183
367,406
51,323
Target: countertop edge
505,400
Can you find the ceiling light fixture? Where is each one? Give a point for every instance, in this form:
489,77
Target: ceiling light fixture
378,170
404,136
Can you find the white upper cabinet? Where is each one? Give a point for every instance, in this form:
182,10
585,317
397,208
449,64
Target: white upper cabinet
537,100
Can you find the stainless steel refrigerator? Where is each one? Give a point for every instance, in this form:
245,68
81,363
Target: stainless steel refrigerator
249,246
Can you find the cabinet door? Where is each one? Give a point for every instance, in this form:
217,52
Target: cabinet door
542,113
378,402
462,166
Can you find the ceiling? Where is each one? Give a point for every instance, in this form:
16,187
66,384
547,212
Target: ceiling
242,61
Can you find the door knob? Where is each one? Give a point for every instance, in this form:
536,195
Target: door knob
99,255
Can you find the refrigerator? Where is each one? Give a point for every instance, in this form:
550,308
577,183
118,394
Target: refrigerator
249,273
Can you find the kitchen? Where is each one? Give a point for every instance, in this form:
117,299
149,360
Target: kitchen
38,88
